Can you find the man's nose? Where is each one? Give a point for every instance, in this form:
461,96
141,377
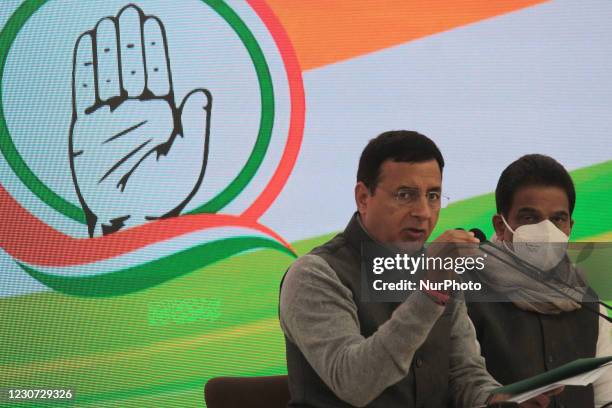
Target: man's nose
421,209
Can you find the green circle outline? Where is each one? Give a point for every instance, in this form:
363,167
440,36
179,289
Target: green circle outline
228,194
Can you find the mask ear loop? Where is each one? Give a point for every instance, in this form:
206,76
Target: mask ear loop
506,224
503,242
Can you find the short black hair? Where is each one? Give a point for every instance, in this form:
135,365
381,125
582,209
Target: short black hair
532,170
398,146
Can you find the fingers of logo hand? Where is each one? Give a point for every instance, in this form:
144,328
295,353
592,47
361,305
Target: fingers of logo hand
107,67
130,43
156,55
83,80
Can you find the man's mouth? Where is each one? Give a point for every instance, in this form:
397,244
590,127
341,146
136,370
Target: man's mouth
415,234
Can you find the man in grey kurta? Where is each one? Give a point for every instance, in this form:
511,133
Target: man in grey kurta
342,351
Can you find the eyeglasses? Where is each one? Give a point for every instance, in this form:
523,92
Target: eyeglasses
406,196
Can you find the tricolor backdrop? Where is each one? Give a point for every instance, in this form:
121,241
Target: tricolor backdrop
163,162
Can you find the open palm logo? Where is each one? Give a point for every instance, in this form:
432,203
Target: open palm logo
129,139
138,144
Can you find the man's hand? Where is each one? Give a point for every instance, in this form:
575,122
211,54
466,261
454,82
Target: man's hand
540,401
450,244
134,154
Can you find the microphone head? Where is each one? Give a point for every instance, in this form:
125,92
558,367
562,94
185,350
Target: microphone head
479,234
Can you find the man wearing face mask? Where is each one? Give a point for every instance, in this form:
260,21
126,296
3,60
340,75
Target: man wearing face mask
531,328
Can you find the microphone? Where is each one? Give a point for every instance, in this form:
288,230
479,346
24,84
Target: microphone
479,234
484,242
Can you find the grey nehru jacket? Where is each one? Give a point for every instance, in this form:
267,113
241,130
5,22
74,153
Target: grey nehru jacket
323,322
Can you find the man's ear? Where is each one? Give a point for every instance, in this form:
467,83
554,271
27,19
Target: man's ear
362,194
500,227
571,224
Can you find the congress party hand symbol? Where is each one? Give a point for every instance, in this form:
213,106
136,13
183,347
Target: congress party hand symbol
134,154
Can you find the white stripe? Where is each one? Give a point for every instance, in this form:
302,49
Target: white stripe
537,80
152,252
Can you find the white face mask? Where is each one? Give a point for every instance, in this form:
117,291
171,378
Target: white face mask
542,245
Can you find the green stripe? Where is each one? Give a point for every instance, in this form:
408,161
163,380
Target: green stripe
593,212
153,273
151,391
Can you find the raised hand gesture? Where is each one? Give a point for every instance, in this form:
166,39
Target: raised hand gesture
134,154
